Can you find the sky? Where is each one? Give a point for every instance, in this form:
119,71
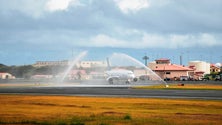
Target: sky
49,30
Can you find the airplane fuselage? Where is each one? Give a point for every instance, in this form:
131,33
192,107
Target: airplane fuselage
120,75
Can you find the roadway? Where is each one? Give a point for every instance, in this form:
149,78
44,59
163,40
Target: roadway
113,91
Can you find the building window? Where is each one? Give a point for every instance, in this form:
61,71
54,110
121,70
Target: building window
167,72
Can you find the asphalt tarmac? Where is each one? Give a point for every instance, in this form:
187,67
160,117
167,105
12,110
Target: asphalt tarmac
114,91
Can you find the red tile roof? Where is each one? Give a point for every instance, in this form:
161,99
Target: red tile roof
172,67
162,59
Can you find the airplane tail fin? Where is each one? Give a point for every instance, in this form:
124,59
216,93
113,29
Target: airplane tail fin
108,64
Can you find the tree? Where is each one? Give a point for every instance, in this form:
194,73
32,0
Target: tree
4,68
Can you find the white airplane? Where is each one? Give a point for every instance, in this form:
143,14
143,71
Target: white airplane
118,75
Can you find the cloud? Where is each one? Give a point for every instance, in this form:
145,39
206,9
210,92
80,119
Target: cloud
109,23
53,5
153,16
43,27
102,40
133,6
36,8
33,8
60,5
158,41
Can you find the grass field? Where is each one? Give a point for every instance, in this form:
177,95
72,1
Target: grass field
69,110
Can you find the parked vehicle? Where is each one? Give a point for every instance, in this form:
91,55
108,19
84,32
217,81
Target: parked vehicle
218,77
184,78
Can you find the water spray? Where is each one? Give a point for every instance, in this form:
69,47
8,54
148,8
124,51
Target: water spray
74,61
122,55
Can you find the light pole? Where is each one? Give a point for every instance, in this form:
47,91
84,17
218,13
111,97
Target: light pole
145,58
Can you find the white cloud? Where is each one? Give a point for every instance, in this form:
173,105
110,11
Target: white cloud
54,5
157,41
180,41
36,8
138,40
208,40
127,6
102,40
192,40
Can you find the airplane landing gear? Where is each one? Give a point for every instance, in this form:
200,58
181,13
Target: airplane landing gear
110,81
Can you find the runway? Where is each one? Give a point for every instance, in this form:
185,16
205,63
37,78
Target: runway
114,91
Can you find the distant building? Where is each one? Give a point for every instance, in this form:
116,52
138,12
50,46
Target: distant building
92,64
51,63
97,75
139,72
166,70
82,64
200,66
4,75
215,68
42,77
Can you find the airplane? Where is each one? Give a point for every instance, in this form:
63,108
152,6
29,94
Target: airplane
118,75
